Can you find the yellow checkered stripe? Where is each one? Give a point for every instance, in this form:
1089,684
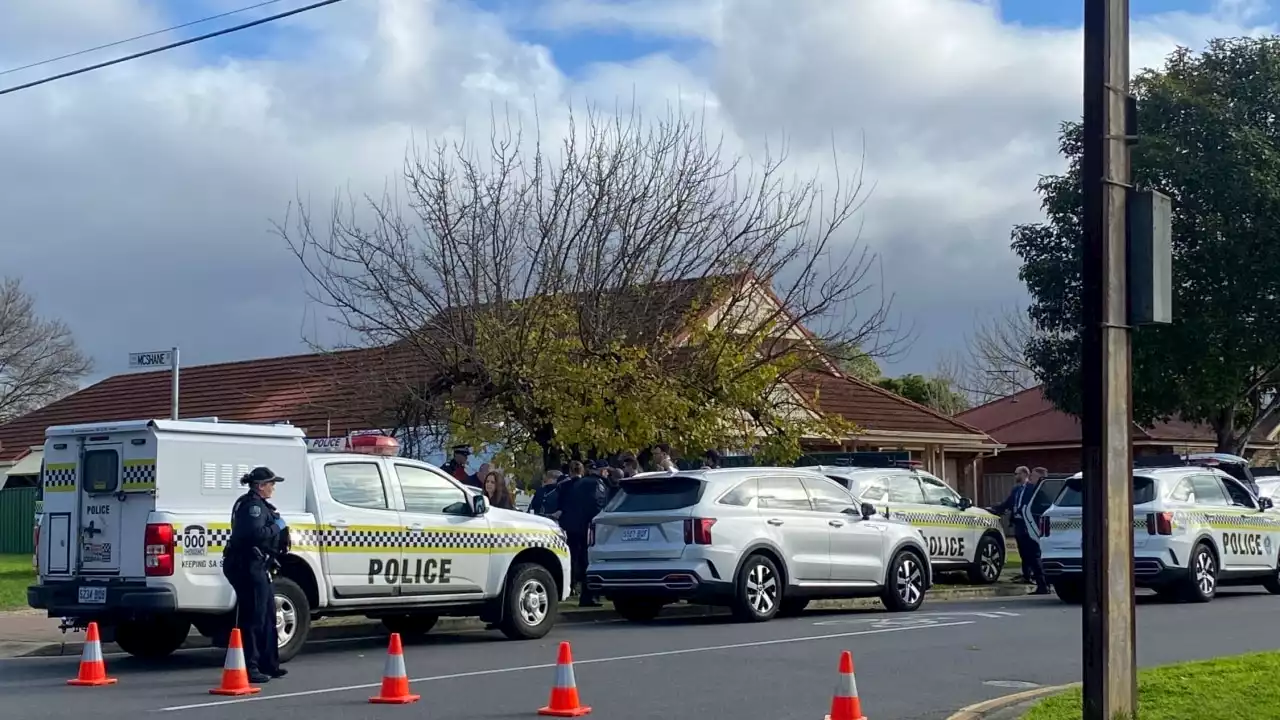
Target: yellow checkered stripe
139,475
945,519
1234,521
59,477
384,538
1056,523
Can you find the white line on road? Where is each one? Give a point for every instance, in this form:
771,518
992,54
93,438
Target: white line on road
544,666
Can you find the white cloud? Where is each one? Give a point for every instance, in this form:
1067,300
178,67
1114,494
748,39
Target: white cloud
137,199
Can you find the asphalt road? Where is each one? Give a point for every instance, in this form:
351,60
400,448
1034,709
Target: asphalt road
916,666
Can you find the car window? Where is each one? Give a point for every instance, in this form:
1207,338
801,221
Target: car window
905,489
426,492
1208,490
783,493
826,496
937,492
1046,491
1238,496
872,490
356,484
1183,491
742,495
1072,494
842,482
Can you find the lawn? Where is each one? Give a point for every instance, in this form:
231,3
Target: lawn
15,575
1243,687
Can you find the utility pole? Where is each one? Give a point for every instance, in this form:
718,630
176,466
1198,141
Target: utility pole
1110,686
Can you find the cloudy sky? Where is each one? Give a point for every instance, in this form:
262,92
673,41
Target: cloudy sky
136,201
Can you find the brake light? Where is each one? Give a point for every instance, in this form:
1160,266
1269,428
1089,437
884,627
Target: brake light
591,535
1045,525
1160,523
35,548
697,531
159,549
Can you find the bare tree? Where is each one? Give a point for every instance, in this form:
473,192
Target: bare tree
518,279
39,360
993,363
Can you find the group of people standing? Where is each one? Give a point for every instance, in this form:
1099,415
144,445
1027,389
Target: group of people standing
498,491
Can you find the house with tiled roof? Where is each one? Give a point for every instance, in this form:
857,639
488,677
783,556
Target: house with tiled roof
330,394
1035,433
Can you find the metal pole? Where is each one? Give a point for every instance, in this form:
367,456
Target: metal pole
173,365
1110,687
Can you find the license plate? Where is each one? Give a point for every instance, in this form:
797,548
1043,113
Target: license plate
638,534
93,595
97,552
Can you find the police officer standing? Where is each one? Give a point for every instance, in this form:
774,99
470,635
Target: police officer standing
258,536
1018,505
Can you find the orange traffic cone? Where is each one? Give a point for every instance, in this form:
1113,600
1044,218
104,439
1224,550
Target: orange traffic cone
93,670
235,677
564,694
395,681
845,704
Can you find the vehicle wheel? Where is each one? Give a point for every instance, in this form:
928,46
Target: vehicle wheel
293,617
1272,583
791,607
410,627
638,609
904,586
152,640
758,596
1202,575
989,562
1069,592
532,602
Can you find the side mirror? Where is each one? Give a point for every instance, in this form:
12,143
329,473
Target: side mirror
479,505
1266,503
965,503
868,511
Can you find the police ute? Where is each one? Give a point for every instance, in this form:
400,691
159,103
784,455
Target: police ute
1195,528
136,515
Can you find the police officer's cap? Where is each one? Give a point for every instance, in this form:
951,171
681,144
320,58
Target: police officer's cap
461,450
260,475
599,464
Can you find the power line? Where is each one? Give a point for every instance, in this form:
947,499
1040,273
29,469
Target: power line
170,46
78,53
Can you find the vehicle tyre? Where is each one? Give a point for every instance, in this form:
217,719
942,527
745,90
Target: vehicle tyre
1069,592
638,609
410,627
152,640
905,583
1201,584
293,617
793,606
758,595
1272,583
989,562
531,602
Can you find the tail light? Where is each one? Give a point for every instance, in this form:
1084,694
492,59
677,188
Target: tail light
1160,523
697,531
1046,524
159,550
35,548
591,535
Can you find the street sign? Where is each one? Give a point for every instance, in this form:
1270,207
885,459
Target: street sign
159,358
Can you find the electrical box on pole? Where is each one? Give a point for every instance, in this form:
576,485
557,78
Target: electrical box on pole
1150,258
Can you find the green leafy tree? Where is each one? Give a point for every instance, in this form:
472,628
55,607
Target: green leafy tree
1210,140
932,392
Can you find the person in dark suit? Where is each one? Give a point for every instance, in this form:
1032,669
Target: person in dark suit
1017,505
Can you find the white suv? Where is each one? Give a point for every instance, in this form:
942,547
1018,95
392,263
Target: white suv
1195,528
760,540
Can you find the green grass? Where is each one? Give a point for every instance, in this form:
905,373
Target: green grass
15,575
1242,687
1012,559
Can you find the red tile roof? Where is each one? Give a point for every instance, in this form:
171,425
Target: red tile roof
1029,418
874,408
314,392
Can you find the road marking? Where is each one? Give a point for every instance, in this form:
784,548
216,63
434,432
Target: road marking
544,666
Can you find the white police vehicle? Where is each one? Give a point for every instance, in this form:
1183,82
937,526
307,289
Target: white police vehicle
136,515
959,536
760,540
1195,529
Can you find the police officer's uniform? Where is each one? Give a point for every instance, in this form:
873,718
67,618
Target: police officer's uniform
258,537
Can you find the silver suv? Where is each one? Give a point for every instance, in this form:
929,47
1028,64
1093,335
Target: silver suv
763,541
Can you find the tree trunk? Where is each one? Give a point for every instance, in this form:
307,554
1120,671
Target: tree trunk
1224,430
552,457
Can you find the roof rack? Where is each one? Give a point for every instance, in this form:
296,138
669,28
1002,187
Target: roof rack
872,460
1193,460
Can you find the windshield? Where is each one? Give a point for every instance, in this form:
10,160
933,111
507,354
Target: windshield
1144,491
656,494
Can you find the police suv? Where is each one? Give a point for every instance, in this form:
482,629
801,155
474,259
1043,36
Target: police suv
958,535
136,515
1195,528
